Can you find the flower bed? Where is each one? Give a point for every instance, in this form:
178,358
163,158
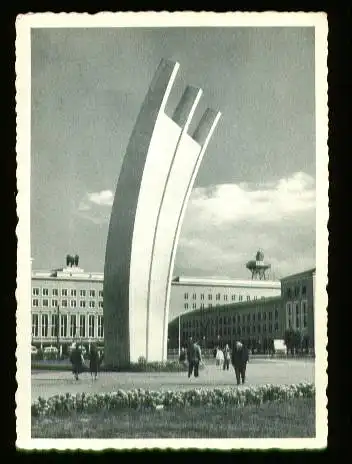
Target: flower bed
136,399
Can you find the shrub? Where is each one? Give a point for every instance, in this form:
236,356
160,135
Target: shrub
136,399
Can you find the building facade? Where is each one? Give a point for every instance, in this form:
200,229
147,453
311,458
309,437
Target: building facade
190,293
298,296
67,303
254,321
67,307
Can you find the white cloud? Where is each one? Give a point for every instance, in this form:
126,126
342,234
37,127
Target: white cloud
90,207
225,225
227,204
105,197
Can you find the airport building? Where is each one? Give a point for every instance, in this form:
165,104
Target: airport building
67,306
67,303
254,321
190,293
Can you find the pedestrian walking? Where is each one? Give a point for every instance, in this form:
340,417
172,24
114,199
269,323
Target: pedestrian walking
194,356
77,361
219,358
239,361
94,361
227,357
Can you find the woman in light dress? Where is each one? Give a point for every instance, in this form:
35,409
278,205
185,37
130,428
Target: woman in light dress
219,357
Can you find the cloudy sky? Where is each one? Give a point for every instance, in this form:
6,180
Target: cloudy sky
256,186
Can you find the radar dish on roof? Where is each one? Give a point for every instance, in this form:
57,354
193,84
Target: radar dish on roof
257,267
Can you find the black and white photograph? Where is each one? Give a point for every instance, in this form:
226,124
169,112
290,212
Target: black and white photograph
172,176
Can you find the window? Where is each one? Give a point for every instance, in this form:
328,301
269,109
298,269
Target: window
82,293
194,296
194,305
248,297
276,314
304,311
55,292
276,326
100,304
253,329
91,324
202,306
73,303
296,291
45,292
35,325
264,316
92,304
202,296
46,302
186,296
100,293
35,302
63,325
73,292
233,297
54,303
258,329
210,305
248,318
270,327
259,317
298,322
238,319
54,325
270,316
82,304
240,298
288,307
35,291
100,326
225,297
234,331
92,293
218,296
234,320
248,330
73,325
64,292
304,290
253,317
64,303
255,297
239,330
264,327
82,325
243,319
289,293
298,318
45,323
210,297
186,305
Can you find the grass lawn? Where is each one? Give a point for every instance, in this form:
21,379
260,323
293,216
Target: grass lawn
293,419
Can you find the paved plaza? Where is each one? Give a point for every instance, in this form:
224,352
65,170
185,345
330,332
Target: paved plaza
48,383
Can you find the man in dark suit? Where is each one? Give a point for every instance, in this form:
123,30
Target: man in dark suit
239,361
194,356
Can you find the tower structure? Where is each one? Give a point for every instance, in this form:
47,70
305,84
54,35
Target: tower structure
156,179
258,267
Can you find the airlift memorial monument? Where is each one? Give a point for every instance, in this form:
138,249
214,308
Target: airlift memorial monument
156,179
